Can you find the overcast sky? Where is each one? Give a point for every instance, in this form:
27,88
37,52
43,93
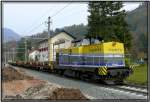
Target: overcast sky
25,18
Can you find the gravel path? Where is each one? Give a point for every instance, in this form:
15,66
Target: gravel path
88,89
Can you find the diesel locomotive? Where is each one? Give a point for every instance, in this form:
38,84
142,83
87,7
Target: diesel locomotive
103,61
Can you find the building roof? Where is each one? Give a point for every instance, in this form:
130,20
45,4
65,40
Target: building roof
64,32
75,37
54,34
43,40
78,39
32,51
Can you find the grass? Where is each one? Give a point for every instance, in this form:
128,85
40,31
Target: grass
139,75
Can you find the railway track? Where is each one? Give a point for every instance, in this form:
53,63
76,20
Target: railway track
125,88
132,90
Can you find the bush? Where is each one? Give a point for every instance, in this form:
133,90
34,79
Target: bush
127,61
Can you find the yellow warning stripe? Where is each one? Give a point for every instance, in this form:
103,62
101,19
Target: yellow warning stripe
105,70
102,70
131,66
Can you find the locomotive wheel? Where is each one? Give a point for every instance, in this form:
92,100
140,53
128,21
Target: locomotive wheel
114,81
119,81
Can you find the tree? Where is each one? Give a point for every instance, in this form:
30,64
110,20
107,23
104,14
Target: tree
107,20
21,49
93,20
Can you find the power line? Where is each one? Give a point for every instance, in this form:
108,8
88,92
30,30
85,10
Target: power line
38,38
40,17
70,14
55,15
13,52
60,10
35,27
51,17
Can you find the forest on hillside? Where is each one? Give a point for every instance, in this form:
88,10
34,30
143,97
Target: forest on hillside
138,25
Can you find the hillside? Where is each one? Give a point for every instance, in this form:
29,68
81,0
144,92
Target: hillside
137,20
77,30
10,35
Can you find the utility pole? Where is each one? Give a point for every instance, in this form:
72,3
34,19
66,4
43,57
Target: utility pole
49,22
8,55
4,54
49,36
25,49
13,50
13,54
5,57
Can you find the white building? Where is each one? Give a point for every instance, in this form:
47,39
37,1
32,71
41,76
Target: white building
60,40
47,47
34,55
43,50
